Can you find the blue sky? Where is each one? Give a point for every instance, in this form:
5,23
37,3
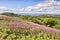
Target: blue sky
18,3
30,6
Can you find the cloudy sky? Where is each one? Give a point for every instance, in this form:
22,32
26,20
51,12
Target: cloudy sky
30,6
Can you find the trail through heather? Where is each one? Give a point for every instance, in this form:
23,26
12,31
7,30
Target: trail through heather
31,25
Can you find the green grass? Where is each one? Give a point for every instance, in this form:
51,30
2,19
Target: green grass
50,21
5,20
26,34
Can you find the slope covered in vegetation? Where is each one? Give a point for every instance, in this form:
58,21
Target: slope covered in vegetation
52,21
18,27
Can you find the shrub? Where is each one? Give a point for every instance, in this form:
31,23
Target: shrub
50,22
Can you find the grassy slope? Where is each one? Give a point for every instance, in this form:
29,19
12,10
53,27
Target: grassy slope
25,30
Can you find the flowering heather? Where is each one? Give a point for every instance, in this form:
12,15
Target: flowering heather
30,25
20,30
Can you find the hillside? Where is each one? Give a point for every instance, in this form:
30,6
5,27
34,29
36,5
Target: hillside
14,23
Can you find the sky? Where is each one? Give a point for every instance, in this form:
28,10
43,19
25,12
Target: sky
30,6
18,3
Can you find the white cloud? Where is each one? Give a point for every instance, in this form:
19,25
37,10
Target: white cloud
46,6
6,9
22,9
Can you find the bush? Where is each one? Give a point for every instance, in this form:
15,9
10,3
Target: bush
50,22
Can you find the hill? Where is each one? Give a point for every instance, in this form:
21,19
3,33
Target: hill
12,27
